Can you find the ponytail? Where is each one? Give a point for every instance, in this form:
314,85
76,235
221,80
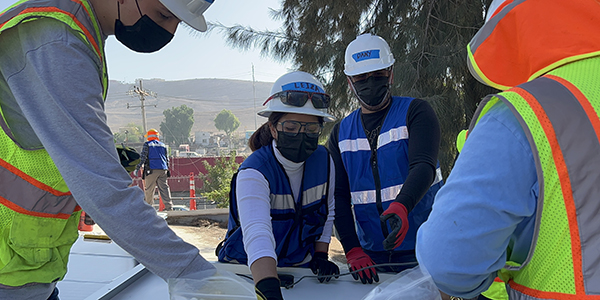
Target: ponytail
262,136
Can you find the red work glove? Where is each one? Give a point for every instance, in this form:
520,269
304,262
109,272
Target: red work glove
398,217
358,259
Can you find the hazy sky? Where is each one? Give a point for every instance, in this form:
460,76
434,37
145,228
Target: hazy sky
201,55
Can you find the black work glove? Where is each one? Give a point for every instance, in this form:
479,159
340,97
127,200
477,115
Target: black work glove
88,220
321,265
268,289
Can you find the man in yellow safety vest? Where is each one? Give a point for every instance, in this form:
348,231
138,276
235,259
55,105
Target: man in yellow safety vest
57,154
521,201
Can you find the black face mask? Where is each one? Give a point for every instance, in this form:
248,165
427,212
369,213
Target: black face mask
296,148
372,91
144,36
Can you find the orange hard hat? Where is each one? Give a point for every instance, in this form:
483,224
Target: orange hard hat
152,134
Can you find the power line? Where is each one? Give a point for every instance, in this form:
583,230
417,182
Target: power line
142,94
254,95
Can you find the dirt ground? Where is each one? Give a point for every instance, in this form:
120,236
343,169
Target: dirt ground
206,235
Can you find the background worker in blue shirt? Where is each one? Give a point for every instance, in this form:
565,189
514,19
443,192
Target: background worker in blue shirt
383,179
155,162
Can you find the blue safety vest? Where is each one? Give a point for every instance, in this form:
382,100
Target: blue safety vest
157,155
368,200
297,223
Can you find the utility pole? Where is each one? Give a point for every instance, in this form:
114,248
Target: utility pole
138,91
254,96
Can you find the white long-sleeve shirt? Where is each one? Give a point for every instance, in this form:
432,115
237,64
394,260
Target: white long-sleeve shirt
254,207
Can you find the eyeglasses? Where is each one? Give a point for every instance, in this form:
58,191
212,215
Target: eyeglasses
299,98
292,128
379,73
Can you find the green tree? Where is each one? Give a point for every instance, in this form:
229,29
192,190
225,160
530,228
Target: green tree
228,122
218,178
177,125
428,39
130,133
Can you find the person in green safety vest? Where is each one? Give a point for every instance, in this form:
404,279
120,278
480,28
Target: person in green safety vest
521,201
57,154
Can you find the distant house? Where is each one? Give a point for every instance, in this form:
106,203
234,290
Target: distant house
248,135
202,138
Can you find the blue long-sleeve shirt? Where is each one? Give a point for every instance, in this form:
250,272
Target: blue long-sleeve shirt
486,207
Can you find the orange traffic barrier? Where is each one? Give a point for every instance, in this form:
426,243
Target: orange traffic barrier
192,192
82,226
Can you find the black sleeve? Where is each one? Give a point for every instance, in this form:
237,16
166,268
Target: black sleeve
143,157
423,147
344,219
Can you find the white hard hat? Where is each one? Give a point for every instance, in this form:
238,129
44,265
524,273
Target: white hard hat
367,53
189,11
296,81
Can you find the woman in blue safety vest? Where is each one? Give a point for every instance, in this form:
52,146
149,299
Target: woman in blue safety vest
281,201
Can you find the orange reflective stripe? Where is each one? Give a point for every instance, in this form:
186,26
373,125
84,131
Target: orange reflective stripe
56,10
565,183
21,210
548,295
32,180
87,33
497,279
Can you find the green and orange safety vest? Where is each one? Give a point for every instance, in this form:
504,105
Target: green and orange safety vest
38,214
546,56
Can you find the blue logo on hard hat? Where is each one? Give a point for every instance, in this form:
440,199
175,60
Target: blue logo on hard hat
364,55
302,86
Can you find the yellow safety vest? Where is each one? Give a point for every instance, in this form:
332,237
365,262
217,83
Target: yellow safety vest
38,214
560,114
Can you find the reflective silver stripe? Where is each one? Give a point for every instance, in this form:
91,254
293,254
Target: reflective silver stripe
361,144
581,151
490,25
387,194
514,294
366,197
392,135
32,199
309,196
282,202
438,176
314,194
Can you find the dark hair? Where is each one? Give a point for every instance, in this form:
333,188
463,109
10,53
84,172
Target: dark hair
262,136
